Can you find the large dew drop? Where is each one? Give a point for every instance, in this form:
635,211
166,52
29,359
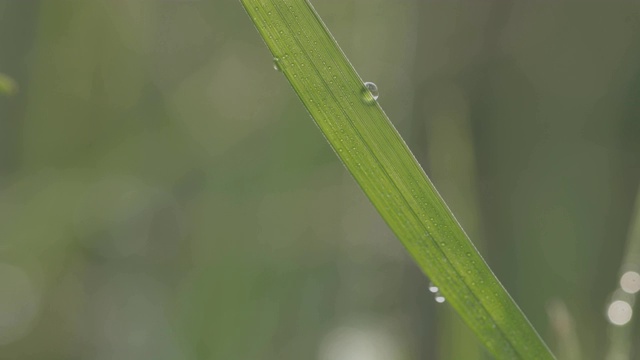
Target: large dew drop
373,89
369,93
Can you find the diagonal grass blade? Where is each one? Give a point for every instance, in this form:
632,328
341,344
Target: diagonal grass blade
364,139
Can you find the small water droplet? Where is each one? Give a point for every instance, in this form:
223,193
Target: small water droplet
276,64
439,298
433,288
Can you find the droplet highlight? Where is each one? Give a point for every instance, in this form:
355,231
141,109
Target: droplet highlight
439,298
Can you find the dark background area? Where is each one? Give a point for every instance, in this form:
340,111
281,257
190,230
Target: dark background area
164,194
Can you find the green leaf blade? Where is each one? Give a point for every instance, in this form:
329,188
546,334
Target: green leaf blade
381,163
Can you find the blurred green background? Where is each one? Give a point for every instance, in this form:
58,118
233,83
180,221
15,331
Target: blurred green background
164,194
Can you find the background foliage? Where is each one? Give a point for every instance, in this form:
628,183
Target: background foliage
164,195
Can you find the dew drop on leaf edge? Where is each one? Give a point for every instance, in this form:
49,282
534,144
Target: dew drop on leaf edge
276,64
373,89
370,92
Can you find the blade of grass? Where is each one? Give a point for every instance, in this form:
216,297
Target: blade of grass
620,332
374,153
564,329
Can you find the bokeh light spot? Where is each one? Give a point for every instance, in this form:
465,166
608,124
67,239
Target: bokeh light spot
619,312
630,282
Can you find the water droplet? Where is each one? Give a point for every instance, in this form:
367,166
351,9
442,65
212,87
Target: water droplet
373,89
433,288
276,64
439,298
